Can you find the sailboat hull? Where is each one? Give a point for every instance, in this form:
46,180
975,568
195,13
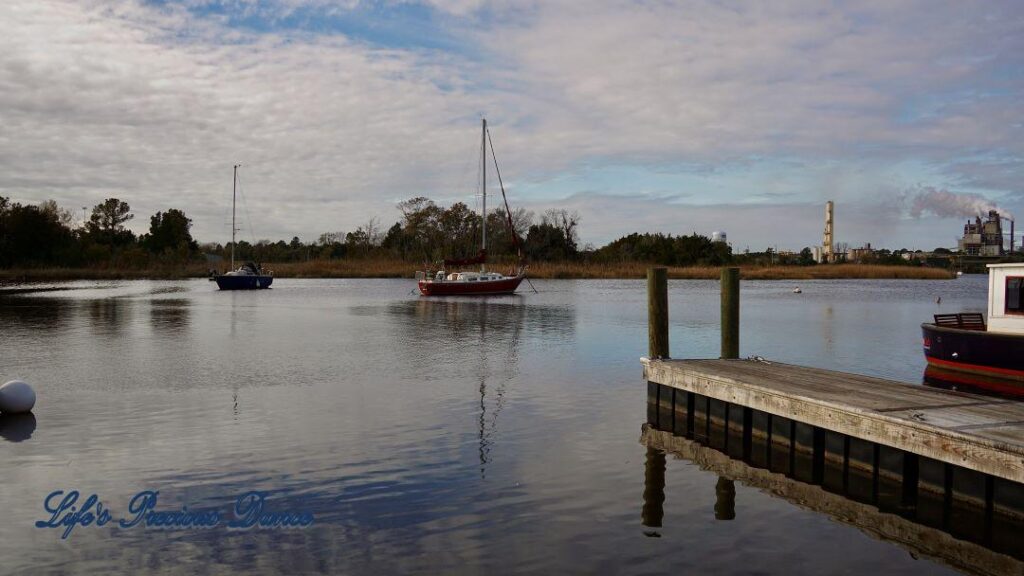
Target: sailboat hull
505,285
239,282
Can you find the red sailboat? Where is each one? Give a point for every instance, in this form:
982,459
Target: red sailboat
482,282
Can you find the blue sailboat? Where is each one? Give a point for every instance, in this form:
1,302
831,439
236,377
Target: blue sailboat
249,276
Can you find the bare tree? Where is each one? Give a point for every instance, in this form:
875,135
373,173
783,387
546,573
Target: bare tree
374,235
328,238
62,215
565,221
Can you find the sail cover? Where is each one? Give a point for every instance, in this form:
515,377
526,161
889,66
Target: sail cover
480,258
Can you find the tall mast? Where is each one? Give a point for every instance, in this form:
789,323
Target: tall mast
234,190
483,172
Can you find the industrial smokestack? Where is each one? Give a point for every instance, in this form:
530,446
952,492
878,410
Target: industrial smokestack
826,248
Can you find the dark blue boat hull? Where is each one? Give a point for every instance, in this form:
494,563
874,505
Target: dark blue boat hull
244,282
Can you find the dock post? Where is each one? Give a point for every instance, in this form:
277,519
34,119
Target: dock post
657,312
730,313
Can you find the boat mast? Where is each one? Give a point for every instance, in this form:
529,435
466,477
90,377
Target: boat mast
483,172
234,190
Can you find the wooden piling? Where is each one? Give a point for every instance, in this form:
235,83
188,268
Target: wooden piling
730,313
657,312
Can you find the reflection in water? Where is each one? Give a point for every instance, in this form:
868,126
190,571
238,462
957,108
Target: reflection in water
961,535
654,491
169,313
33,313
17,427
462,320
725,499
493,325
109,316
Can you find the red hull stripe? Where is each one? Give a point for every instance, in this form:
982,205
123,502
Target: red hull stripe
977,368
945,375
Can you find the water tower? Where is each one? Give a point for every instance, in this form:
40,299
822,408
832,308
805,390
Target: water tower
718,236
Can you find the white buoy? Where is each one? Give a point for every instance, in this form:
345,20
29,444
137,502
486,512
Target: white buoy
16,397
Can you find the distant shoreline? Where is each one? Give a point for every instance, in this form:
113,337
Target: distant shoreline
355,268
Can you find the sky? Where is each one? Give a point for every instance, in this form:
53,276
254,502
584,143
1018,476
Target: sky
643,116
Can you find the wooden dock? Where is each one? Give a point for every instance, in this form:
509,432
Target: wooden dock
946,459
958,549
975,432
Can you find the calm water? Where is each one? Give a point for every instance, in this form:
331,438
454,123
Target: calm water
427,436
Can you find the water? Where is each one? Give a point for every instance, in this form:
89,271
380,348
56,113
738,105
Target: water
427,436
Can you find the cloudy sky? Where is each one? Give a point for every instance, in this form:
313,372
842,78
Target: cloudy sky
642,116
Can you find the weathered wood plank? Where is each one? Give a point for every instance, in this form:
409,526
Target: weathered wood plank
967,430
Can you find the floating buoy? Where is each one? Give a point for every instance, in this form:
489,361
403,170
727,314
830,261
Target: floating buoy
16,397
797,290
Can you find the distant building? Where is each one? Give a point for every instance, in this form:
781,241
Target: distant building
718,236
859,254
983,238
817,253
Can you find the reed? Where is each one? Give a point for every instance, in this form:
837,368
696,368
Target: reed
824,272
384,268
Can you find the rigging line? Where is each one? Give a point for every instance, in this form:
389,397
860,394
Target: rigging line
508,213
248,217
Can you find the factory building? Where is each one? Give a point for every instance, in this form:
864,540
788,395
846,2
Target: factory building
983,238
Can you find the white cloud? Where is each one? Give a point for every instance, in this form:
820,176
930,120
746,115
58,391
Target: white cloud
154,105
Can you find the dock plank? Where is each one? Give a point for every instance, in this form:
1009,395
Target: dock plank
969,430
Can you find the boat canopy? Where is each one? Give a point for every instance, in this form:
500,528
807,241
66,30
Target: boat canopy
1006,298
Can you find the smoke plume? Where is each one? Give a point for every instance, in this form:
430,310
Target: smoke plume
946,204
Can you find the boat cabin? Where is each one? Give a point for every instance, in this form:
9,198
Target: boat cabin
471,276
1006,298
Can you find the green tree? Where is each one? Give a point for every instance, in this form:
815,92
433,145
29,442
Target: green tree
169,235
34,236
806,257
106,224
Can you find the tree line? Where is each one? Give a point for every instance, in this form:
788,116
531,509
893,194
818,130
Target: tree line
45,235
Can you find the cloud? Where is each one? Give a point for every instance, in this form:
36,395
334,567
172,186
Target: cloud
154,103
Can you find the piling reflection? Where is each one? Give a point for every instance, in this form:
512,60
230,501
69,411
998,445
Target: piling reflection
654,491
965,518
17,427
725,499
